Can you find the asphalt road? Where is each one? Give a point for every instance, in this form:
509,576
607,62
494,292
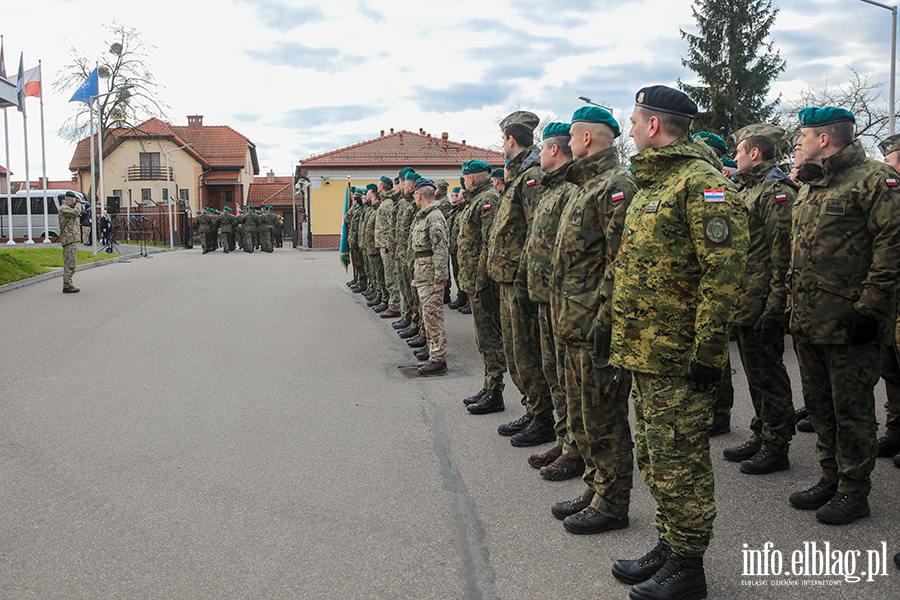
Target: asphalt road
235,426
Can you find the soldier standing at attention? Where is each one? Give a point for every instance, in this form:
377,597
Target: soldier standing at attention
384,239
474,228
458,205
498,180
759,317
562,461
590,231
845,257
413,333
69,236
430,247
518,314
676,284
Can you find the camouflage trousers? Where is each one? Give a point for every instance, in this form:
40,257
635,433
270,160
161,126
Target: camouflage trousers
70,257
407,292
553,362
522,346
839,390
209,240
265,240
376,274
597,421
415,306
359,270
723,401
248,241
770,390
671,434
890,372
433,319
489,339
390,280
228,241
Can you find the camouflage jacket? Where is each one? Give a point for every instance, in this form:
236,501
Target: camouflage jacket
353,225
226,222
542,234
680,263
369,229
205,222
452,217
444,206
384,220
69,224
588,238
514,214
769,195
248,222
845,248
475,220
404,218
430,243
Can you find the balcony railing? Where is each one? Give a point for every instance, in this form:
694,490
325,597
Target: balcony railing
137,173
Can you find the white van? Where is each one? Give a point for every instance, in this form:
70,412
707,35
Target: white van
20,213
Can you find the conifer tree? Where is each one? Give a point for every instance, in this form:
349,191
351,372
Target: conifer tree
734,60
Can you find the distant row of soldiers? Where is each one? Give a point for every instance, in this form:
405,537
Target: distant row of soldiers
252,229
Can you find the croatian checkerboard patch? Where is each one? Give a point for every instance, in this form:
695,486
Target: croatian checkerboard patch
714,195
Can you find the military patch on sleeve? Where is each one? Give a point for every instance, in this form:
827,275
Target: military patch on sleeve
780,197
530,183
487,207
616,196
891,181
435,239
714,195
717,230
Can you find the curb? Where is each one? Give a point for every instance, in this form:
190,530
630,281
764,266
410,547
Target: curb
14,285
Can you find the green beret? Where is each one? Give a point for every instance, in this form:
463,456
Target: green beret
456,190
712,140
595,114
887,145
413,176
387,181
498,174
772,132
667,100
522,117
71,195
404,171
819,117
556,129
372,186
475,166
727,162
228,208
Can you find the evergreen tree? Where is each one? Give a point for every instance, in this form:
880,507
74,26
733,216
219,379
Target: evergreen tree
733,58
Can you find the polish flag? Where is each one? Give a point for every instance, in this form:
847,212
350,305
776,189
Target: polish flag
32,80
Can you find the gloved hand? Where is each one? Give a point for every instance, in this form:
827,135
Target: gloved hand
767,329
703,378
863,329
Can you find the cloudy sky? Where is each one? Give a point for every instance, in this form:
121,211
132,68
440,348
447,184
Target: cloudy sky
300,78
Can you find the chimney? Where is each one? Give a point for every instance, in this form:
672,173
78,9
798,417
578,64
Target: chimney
270,177
445,136
382,133
195,121
392,131
428,137
464,144
401,138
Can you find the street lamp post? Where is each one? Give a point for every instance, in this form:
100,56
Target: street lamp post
893,10
588,101
171,203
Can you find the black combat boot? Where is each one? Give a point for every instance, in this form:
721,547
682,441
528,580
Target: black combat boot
401,324
680,578
816,496
417,342
409,332
473,399
642,569
843,509
514,427
740,453
765,462
539,431
491,402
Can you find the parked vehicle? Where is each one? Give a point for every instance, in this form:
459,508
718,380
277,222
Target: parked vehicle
20,213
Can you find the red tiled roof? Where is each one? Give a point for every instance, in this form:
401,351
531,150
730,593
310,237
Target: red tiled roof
222,176
3,171
270,193
215,146
404,148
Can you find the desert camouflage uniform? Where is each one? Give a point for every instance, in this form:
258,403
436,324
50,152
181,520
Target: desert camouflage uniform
676,284
404,217
384,239
518,314
430,249
475,222
69,236
845,256
536,259
769,196
590,231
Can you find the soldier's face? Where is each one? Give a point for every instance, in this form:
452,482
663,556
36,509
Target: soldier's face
742,158
893,159
498,185
546,156
811,145
640,129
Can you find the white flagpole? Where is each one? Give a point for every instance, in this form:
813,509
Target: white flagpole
102,199
27,177
93,200
9,226
44,159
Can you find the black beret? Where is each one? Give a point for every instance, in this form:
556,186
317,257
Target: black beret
667,100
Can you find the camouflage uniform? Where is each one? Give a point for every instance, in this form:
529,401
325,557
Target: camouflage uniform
430,249
518,314
352,220
205,224
590,230
364,212
248,230
404,218
536,259
69,236
845,256
769,195
267,232
453,224
376,269
890,372
226,226
384,239
475,222
676,283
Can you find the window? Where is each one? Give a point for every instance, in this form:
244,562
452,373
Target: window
229,196
118,194
150,166
184,194
145,196
165,194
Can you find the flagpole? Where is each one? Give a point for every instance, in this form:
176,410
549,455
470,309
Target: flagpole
102,198
11,242
93,176
21,97
44,159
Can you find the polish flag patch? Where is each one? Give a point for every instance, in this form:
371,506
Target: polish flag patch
780,197
530,183
891,182
487,207
616,196
714,195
